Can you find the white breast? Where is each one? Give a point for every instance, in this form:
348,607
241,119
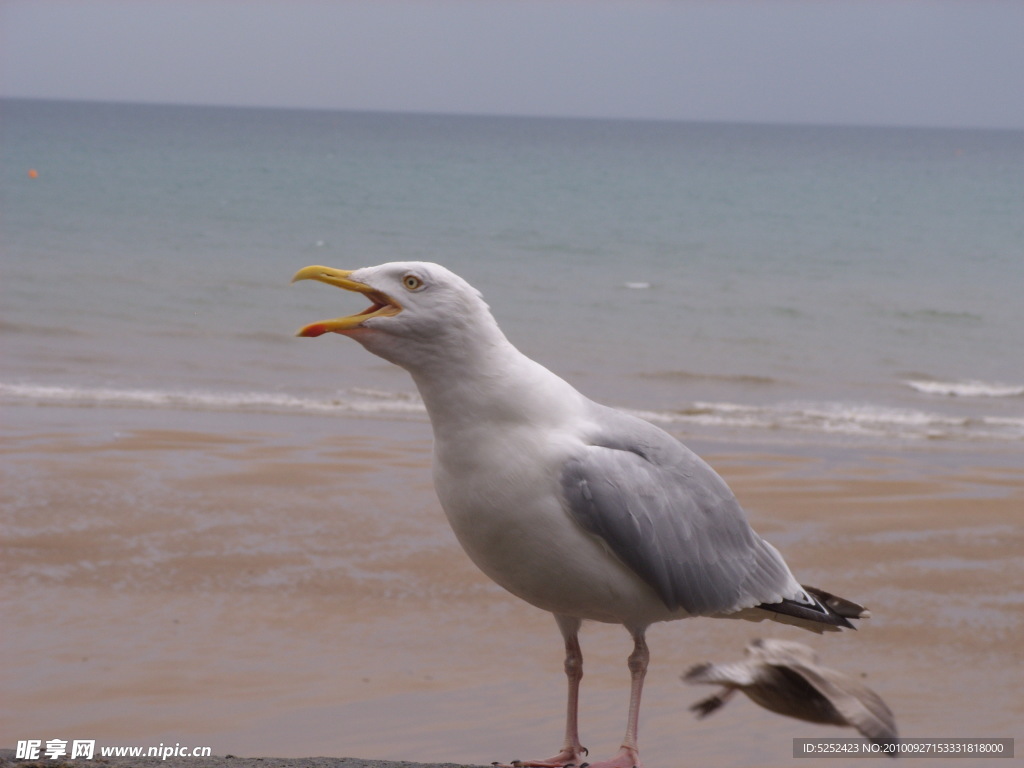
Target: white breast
501,492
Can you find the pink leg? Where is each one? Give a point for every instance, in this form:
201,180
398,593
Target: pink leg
629,754
573,753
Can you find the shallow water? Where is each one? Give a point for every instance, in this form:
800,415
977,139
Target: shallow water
775,284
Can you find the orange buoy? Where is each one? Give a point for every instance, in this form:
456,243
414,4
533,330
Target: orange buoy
33,173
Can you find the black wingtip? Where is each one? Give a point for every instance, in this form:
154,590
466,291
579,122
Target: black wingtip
705,707
840,605
824,609
696,672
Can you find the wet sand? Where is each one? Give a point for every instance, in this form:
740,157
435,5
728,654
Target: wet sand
287,586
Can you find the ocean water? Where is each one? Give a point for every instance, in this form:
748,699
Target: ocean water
754,284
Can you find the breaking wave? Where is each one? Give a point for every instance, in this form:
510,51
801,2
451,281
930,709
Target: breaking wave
965,388
354,401
855,420
808,418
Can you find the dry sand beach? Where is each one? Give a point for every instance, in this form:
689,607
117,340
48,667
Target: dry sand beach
280,585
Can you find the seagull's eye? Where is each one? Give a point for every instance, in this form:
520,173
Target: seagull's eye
412,283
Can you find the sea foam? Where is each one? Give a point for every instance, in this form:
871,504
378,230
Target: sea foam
842,419
353,401
807,418
965,388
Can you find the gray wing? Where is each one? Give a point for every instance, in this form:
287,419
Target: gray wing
858,705
735,674
671,519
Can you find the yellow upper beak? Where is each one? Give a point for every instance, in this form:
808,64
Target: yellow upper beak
383,305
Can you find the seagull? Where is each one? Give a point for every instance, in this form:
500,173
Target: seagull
577,508
784,676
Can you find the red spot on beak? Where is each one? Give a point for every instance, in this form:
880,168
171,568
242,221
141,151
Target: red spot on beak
314,330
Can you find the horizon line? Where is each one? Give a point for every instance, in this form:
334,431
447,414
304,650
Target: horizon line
515,116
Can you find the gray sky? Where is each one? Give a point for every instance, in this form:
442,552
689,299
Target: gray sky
889,62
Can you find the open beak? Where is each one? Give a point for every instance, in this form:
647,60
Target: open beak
383,305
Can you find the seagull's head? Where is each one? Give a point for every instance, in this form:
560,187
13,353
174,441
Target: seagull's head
416,308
